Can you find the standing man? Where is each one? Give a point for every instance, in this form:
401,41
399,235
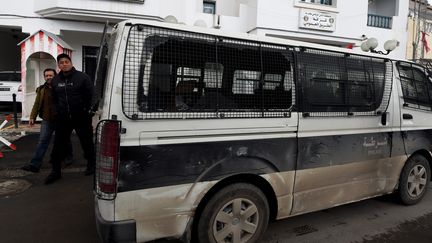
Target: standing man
44,108
72,97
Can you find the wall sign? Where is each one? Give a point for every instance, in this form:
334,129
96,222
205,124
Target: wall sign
317,20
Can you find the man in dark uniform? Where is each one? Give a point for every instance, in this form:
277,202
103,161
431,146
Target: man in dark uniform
72,93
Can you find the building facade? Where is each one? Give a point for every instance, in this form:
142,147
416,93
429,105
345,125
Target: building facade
419,22
78,25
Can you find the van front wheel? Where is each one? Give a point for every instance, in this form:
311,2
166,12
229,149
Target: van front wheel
414,180
238,213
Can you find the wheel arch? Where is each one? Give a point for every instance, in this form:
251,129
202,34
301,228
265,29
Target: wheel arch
253,179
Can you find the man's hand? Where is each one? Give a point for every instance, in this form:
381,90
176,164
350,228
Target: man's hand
31,122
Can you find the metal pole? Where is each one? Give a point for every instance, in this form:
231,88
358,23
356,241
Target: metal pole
15,110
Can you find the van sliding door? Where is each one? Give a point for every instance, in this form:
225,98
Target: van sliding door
344,145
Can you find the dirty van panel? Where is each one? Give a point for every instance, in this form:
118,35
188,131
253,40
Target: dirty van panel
417,140
162,165
343,149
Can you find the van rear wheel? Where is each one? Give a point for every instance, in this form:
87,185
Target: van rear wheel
414,180
239,213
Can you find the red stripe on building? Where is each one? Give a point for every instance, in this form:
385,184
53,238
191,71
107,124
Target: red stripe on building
50,45
41,41
59,49
32,38
23,64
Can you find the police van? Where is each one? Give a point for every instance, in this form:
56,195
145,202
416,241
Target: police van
205,136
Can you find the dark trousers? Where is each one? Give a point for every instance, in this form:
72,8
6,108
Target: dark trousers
63,129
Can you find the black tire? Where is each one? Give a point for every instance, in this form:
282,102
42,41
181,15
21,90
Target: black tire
413,181
250,199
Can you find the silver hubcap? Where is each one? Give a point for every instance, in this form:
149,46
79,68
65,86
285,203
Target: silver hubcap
417,181
237,221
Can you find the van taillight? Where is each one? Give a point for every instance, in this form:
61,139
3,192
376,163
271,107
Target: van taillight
107,156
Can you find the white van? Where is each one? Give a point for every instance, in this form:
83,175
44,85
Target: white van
206,136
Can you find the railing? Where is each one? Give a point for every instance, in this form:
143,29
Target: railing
379,21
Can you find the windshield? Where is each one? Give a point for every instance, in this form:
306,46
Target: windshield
10,77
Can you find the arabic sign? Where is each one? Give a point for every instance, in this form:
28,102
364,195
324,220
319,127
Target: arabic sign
310,19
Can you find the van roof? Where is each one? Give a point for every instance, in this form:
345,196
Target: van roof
252,37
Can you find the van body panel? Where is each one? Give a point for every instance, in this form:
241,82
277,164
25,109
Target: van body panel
150,166
167,210
106,209
282,184
319,188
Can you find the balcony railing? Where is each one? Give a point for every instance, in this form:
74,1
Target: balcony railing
379,21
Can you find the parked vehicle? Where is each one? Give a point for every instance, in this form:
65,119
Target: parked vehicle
10,83
208,135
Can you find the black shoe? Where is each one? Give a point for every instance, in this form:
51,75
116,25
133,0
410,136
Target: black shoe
89,171
51,178
68,162
30,168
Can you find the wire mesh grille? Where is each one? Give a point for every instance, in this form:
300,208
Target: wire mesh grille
176,74
337,84
106,143
416,87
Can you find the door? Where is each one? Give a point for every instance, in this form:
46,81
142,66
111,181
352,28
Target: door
345,129
415,95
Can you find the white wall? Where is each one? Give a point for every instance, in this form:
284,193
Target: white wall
281,17
77,40
276,17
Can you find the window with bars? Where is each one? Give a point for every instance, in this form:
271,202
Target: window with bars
175,74
209,7
416,87
336,84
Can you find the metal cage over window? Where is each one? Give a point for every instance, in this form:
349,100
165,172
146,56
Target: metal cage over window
340,84
176,74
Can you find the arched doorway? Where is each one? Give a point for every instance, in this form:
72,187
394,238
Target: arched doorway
35,65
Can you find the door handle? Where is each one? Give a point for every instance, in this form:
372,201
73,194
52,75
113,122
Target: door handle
406,116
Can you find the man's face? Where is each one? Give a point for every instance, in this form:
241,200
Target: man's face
48,76
65,64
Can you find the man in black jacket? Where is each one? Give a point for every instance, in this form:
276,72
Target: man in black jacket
72,93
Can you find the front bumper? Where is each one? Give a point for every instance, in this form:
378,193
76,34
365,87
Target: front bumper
117,231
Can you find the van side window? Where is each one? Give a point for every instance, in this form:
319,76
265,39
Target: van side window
335,84
176,75
416,87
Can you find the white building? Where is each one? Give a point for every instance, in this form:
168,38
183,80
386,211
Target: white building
78,25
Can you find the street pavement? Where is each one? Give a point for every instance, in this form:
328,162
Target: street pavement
64,211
